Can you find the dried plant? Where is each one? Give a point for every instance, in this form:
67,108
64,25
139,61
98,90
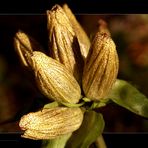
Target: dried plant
77,77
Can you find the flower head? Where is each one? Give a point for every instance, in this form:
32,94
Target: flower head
73,70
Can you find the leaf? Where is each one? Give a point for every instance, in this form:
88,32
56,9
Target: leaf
56,143
127,96
91,128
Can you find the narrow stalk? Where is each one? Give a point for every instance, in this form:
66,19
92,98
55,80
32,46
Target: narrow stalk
100,143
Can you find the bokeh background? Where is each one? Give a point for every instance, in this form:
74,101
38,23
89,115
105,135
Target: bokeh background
18,92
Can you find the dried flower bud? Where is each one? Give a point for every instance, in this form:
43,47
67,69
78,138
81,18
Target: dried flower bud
101,67
83,39
25,45
63,42
54,80
51,123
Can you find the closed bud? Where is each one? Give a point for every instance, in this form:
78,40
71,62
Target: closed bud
51,123
25,45
54,80
63,42
101,67
83,39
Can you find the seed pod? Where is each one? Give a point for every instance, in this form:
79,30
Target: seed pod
63,42
51,123
54,80
25,45
101,67
83,39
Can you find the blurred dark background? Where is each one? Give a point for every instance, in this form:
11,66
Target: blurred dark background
17,89
87,6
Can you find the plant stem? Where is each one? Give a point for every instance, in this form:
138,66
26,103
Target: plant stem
59,142
100,143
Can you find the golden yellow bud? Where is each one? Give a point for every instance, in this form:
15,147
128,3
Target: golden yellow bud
101,67
25,45
63,43
54,80
51,123
83,39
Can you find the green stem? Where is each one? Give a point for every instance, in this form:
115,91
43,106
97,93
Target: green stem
73,105
100,143
59,142
101,103
51,105
86,99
